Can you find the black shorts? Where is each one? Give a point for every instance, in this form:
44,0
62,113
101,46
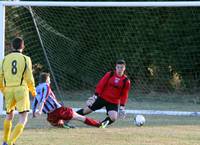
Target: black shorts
100,103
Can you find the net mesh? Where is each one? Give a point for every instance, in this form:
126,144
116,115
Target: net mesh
160,46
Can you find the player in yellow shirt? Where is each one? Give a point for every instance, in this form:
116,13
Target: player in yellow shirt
16,80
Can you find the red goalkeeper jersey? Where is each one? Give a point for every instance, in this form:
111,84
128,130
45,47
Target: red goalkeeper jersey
113,88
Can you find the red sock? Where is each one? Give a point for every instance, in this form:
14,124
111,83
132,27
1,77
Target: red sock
92,122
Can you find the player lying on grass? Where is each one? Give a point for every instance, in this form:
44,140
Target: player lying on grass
46,102
111,92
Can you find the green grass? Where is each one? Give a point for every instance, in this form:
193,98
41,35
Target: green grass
164,135
158,130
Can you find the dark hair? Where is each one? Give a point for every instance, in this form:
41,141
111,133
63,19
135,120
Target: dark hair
43,77
17,43
121,61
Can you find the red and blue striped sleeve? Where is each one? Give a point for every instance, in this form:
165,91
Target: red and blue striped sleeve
45,92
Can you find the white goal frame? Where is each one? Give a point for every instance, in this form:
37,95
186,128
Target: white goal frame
3,4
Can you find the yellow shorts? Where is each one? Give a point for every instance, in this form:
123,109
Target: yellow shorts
17,97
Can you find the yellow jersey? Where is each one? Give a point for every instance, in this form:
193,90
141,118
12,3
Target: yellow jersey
16,70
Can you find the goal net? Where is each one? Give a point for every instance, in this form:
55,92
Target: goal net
78,45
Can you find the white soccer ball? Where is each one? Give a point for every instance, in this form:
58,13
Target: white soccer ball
139,120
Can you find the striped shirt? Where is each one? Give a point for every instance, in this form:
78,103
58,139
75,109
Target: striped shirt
45,95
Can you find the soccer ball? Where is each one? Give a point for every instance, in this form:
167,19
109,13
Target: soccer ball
139,120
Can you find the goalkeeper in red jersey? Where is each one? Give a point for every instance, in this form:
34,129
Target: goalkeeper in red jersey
46,102
111,92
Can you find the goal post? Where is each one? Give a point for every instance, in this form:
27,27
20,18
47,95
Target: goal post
78,58
2,40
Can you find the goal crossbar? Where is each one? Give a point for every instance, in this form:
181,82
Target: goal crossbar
103,4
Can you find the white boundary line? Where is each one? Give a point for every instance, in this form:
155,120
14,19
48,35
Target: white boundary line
145,112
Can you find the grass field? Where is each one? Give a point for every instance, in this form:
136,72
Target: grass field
165,135
158,130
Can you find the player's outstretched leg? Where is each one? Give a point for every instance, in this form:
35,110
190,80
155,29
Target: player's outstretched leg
80,112
104,124
111,118
86,120
84,111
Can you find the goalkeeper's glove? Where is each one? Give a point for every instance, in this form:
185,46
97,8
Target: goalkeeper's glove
122,112
91,100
